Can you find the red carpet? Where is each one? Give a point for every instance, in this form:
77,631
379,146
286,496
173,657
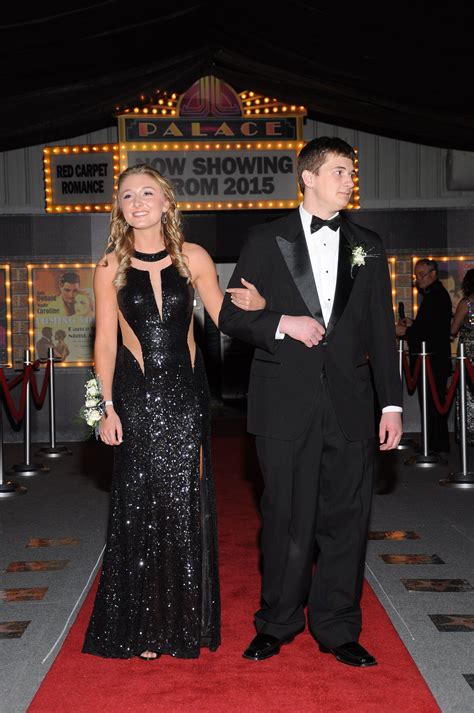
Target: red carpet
299,680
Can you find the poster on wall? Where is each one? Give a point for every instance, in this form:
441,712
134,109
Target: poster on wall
5,317
62,312
392,271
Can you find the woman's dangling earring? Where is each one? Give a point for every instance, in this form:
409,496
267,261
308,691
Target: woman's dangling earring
164,218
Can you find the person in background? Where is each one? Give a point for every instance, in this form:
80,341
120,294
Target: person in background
433,326
463,325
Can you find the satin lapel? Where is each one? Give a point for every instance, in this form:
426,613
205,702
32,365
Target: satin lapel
345,280
296,256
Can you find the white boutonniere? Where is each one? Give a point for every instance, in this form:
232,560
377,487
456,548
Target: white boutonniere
359,254
94,407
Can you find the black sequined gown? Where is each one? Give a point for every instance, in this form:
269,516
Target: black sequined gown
159,588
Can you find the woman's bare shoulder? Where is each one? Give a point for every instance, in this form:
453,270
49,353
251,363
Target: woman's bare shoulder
106,268
194,250
199,260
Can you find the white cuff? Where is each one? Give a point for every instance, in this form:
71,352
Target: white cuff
391,409
278,334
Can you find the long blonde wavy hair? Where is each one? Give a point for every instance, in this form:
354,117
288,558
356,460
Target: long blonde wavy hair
121,240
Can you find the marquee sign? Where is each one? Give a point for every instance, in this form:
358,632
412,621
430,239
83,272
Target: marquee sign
79,178
221,150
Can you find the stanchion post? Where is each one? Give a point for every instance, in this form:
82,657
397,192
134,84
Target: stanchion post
53,450
404,442
463,479
425,459
7,488
28,468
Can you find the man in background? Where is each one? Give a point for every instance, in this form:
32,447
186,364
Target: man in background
433,326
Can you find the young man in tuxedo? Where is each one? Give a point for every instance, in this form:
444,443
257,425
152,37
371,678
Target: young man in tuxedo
328,323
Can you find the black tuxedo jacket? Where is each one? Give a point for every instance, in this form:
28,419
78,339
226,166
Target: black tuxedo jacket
360,336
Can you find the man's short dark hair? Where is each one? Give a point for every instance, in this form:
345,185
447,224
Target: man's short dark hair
313,154
432,265
70,277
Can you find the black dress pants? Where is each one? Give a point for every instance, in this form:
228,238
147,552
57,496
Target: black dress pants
315,510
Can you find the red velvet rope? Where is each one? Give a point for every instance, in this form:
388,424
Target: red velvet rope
28,374
410,378
39,397
16,413
442,408
13,382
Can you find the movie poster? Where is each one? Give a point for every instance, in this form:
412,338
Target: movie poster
63,312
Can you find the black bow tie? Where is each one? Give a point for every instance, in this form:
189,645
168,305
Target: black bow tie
317,223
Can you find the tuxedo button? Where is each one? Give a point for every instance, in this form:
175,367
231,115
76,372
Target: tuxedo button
324,344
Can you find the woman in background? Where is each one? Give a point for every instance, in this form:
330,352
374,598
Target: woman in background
463,323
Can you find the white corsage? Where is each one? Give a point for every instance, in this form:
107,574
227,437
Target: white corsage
359,253
94,406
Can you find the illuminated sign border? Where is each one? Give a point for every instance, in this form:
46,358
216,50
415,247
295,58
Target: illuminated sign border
31,316
49,151
392,268
8,315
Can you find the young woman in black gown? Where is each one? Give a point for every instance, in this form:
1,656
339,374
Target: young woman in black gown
159,586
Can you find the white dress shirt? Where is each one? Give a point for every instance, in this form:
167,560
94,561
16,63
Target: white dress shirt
323,249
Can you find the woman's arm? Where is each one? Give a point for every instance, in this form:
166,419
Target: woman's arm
205,280
459,315
105,344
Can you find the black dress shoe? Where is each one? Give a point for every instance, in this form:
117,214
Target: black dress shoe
263,646
351,653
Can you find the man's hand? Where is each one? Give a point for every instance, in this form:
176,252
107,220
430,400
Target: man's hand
400,328
303,329
390,430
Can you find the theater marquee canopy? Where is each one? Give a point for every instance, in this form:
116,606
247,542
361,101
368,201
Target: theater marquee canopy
222,150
